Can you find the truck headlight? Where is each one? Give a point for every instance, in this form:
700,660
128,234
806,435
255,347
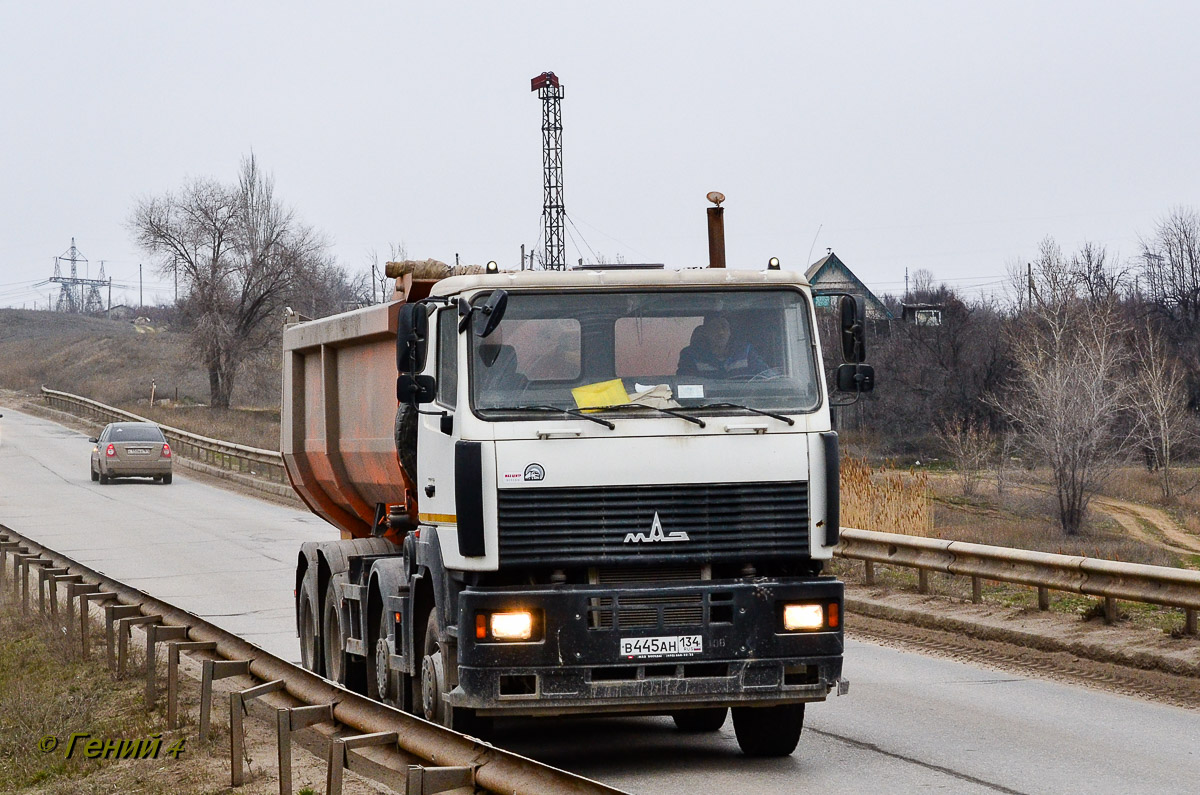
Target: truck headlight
800,617
512,626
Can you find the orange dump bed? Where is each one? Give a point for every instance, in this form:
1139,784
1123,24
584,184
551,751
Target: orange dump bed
338,417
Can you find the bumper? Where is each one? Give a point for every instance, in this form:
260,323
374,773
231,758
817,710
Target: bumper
576,666
137,469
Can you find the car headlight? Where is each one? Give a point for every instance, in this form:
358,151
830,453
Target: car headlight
517,625
801,617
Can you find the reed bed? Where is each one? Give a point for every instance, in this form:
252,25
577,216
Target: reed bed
889,500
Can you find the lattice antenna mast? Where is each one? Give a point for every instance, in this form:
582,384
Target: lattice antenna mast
549,90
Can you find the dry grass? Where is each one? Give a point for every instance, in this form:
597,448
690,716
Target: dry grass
1137,484
47,690
109,361
250,427
890,500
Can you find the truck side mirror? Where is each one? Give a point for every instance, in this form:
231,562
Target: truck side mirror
414,389
412,333
853,315
856,378
486,315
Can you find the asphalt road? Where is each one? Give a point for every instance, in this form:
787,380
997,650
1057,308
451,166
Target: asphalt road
911,722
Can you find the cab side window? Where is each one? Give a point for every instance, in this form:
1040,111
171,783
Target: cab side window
447,357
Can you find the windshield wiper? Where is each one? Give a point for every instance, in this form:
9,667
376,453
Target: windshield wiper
672,412
770,414
571,412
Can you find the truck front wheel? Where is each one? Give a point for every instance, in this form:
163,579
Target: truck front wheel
433,686
768,731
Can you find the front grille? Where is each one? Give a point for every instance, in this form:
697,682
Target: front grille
641,610
589,526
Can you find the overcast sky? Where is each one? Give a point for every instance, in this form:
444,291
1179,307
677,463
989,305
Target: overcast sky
947,136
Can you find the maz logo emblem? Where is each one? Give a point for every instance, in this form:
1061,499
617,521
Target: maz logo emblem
534,472
656,534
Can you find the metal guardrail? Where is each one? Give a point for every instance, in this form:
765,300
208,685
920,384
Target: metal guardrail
214,452
422,756
1106,579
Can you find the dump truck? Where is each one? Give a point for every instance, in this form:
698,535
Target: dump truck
584,492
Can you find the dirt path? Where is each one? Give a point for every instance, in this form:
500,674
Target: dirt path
1151,526
1167,533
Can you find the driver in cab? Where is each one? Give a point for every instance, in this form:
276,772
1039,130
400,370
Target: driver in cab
712,355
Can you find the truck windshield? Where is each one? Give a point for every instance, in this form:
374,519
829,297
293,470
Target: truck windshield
639,350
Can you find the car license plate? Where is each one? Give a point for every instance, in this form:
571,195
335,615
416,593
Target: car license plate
138,450
676,646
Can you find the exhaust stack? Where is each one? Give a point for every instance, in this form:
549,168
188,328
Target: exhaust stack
716,231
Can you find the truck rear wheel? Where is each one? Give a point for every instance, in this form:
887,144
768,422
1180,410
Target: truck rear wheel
708,719
310,649
768,731
432,686
333,641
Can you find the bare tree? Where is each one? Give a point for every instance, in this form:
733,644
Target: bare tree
1172,263
1159,405
970,444
237,252
1068,395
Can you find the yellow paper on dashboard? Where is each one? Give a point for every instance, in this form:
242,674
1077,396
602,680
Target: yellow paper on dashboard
602,393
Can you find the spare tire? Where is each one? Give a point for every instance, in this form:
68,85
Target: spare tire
406,439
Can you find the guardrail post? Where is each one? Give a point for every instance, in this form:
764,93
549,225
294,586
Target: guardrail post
6,547
21,564
84,616
1189,621
215,669
154,634
55,581
173,649
429,780
293,719
237,735
1043,597
1110,610
44,573
113,614
869,571
124,627
74,589
976,590
338,746
922,580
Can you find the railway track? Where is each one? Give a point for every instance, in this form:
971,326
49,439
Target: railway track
392,747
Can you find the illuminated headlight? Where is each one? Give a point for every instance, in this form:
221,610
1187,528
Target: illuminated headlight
798,617
512,626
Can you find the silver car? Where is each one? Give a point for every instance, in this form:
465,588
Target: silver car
131,449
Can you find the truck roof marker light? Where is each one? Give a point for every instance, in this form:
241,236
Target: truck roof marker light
492,267
773,264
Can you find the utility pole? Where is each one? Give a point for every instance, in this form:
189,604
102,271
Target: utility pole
1029,281
549,90
141,302
175,268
